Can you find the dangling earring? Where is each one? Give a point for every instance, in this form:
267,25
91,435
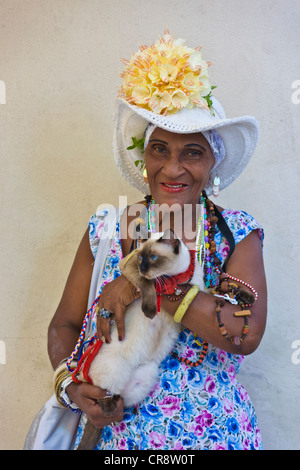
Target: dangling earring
216,186
145,176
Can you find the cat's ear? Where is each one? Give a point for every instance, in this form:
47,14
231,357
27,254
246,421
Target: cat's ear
169,237
169,234
147,236
175,242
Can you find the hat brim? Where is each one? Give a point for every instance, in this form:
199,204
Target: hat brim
240,136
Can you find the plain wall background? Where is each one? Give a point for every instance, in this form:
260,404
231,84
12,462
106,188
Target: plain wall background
60,63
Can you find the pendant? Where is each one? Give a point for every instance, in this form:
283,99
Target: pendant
177,291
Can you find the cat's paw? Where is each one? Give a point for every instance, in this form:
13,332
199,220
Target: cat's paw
109,404
149,309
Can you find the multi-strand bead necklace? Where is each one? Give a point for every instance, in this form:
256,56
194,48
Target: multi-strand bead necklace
205,232
205,254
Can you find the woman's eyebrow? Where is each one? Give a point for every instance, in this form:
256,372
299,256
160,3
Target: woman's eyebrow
187,145
158,140
197,145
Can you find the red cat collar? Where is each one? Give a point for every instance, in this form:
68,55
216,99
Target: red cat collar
169,284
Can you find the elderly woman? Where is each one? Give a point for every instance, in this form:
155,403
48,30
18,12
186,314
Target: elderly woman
183,149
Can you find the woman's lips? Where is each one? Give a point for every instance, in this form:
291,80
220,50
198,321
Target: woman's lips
173,187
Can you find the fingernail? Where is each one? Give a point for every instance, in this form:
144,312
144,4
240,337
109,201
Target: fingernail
120,338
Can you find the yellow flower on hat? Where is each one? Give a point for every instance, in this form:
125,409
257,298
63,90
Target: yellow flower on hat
179,100
141,94
160,101
166,77
168,73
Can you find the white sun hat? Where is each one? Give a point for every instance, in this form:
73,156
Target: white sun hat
181,115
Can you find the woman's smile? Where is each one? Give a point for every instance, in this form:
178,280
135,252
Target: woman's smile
170,187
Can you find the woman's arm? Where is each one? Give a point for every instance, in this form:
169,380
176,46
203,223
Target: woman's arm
66,324
246,263
64,331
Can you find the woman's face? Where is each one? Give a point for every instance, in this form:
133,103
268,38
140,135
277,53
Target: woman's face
178,166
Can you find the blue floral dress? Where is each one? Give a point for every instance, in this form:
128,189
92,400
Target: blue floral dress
190,408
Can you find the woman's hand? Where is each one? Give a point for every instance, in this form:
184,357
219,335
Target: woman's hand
115,298
85,396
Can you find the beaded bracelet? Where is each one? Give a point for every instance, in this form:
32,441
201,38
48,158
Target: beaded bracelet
231,292
241,294
242,313
185,303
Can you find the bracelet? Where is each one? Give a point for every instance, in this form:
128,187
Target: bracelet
185,303
62,378
64,397
231,292
242,313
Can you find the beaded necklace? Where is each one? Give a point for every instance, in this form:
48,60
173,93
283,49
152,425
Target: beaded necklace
151,222
205,253
205,248
200,231
151,217
206,229
212,262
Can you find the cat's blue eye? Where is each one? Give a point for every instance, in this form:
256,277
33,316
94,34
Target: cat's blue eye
140,257
154,257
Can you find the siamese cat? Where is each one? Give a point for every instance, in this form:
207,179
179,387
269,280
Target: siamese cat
129,368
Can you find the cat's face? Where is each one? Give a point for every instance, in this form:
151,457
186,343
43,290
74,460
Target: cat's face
167,256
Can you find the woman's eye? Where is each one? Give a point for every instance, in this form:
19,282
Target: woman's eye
154,257
159,148
193,154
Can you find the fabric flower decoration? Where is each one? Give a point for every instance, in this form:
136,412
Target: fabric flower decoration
166,77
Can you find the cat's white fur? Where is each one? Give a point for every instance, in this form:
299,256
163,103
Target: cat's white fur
130,367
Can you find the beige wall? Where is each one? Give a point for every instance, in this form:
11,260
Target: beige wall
59,62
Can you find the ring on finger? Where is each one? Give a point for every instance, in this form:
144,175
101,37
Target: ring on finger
103,313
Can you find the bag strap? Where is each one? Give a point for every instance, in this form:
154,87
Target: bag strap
226,232
102,251
100,259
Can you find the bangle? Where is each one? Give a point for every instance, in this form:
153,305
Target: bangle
185,303
64,397
62,378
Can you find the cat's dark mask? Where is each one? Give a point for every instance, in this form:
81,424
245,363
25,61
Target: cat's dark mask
170,238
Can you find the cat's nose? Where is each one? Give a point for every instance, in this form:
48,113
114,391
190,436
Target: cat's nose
144,266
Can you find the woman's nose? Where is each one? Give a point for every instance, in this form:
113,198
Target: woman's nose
173,167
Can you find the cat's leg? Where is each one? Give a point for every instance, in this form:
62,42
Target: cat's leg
129,267
149,299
